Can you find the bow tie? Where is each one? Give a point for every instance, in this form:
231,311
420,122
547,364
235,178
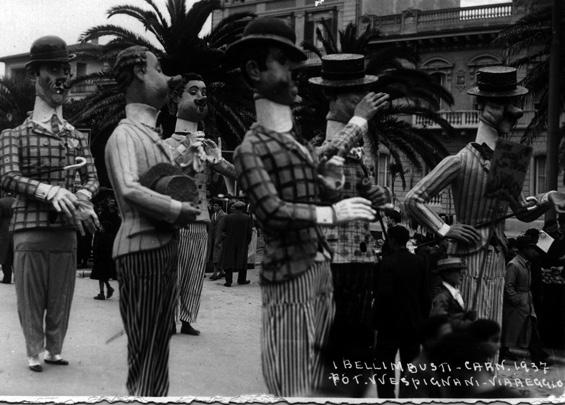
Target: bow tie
485,151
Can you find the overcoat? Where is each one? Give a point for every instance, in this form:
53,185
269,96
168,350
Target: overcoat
235,235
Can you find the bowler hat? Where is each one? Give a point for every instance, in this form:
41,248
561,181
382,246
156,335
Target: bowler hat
238,205
449,264
497,81
49,49
343,70
267,31
167,179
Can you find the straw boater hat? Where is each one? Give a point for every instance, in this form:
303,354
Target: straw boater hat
266,31
497,82
449,264
49,49
342,70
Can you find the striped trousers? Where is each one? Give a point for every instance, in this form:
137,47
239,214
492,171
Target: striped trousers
147,282
490,283
45,275
296,320
193,245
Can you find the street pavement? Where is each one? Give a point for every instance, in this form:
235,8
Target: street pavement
223,361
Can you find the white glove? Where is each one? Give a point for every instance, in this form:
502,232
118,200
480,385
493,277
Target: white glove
86,217
350,209
63,200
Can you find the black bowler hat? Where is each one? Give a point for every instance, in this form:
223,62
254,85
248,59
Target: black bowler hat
167,179
497,81
343,70
267,31
49,49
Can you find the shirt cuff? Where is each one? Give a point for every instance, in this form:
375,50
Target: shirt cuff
176,207
443,230
360,122
43,191
325,215
85,193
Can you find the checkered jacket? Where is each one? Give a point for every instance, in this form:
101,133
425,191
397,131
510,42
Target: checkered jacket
280,180
28,153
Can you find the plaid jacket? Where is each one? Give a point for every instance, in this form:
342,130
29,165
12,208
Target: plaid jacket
28,153
280,180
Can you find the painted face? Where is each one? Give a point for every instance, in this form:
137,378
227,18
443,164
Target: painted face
193,104
156,82
501,114
52,83
276,82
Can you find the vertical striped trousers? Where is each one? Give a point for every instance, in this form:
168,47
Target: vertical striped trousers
490,284
45,275
147,301
296,320
193,244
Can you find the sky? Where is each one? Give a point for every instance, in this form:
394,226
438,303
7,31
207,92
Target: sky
23,21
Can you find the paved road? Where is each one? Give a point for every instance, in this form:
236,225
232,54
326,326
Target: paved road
224,360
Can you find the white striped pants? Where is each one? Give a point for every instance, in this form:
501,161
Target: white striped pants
193,244
147,301
297,316
491,283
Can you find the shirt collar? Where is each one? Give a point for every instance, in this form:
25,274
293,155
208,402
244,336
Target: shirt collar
486,134
185,126
455,293
333,128
273,116
42,113
142,113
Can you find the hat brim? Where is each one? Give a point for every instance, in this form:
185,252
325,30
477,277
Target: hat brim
69,58
363,81
518,91
234,51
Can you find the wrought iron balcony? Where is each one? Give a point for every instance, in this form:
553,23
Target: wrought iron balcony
464,119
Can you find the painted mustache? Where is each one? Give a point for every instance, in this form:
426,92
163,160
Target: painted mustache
60,85
201,102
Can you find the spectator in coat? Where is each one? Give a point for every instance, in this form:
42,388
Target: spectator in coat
447,299
6,239
214,245
402,303
519,326
235,234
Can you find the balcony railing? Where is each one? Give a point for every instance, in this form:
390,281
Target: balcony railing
432,20
464,119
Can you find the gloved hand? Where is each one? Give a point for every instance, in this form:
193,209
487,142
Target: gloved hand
331,173
63,201
187,214
86,217
351,209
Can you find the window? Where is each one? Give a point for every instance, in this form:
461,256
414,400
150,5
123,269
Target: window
81,69
314,21
383,170
539,174
439,78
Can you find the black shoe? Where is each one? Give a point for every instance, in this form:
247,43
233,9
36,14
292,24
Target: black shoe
243,282
36,367
215,277
227,284
110,292
100,297
187,329
59,362
508,355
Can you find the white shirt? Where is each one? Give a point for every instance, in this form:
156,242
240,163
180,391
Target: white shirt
455,293
42,113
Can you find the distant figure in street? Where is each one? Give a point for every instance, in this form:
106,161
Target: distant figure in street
104,267
234,232
519,322
447,299
214,245
6,239
402,303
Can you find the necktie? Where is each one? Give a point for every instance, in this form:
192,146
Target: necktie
54,124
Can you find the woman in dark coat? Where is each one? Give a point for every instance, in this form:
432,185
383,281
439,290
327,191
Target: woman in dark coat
104,268
6,238
235,230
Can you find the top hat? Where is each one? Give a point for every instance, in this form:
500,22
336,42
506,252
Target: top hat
449,264
343,70
265,31
49,49
497,81
167,179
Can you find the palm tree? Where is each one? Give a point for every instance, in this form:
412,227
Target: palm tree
16,100
527,44
411,91
173,37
